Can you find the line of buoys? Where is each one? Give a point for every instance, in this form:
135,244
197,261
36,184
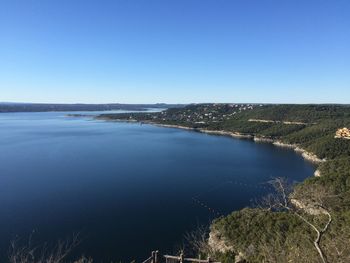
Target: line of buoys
250,185
257,186
212,210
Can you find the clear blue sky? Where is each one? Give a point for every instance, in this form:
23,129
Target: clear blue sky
175,51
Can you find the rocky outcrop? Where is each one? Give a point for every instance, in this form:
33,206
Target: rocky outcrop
308,208
284,145
172,126
227,133
317,173
305,154
308,156
218,243
240,258
284,122
262,139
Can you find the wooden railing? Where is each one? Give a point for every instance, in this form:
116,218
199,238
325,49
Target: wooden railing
156,257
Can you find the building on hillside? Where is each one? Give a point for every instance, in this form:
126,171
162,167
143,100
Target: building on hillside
343,133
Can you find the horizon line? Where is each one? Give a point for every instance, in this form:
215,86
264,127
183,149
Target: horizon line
167,103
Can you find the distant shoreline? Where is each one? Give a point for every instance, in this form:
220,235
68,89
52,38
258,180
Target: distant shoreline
305,154
59,107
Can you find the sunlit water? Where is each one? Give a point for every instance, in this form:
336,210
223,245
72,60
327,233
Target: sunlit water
126,188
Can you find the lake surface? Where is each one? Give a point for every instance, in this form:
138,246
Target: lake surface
126,188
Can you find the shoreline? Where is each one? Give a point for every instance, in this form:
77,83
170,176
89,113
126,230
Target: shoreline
308,156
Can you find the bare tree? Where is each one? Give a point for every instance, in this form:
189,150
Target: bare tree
311,201
197,241
44,254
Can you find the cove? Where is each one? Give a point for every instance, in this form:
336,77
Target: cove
126,188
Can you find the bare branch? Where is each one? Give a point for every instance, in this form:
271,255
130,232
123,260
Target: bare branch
197,240
311,200
42,254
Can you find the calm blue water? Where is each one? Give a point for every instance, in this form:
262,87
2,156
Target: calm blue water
127,188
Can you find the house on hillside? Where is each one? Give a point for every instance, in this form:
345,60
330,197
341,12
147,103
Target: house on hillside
343,133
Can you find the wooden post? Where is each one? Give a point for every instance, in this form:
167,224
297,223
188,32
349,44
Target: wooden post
153,257
156,256
181,257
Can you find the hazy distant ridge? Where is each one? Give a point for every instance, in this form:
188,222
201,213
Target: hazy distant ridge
40,107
